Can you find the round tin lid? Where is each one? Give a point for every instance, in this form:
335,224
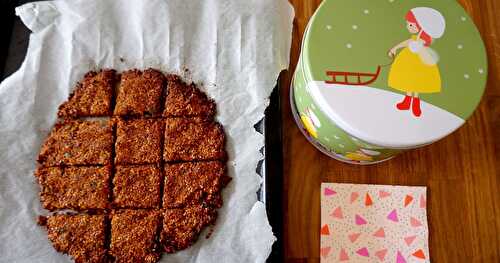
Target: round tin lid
397,74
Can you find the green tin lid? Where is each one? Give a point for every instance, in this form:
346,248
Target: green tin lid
394,73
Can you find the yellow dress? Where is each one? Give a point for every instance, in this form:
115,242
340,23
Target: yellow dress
409,74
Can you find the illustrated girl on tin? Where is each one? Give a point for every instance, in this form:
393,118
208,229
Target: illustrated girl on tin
415,68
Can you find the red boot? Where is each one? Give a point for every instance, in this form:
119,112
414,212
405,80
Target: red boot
405,104
415,107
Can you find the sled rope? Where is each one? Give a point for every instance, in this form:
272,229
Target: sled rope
342,77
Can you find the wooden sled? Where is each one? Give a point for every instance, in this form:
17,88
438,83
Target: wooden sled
361,79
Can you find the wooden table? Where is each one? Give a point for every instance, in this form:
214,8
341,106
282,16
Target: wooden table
460,171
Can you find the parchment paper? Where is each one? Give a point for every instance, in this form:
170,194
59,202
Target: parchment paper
236,49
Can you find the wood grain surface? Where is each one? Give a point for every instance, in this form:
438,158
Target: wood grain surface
460,171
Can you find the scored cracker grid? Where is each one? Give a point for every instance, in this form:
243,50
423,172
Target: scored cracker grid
126,133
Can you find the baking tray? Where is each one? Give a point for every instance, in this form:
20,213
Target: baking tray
13,47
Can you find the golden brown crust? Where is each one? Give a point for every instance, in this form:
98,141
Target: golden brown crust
139,141
137,186
185,100
182,226
76,142
140,93
133,235
91,97
77,188
81,236
193,183
193,139
78,171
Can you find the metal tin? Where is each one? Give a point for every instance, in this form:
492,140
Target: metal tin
378,77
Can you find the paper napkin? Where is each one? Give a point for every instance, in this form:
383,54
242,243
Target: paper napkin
373,223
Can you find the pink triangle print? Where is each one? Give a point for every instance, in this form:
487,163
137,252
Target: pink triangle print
360,220
343,255
354,196
325,251
381,254
400,258
383,194
415,222
363,252
353,237
393,216
337,213
409,240
328,192
379,233
374,223
423,203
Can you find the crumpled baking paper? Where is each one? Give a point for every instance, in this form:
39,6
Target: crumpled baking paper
235,49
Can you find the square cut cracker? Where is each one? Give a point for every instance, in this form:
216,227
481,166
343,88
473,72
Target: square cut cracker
81,236
139,141
140,93
182,226
76,187
194,183
193,139
91,97
76,142
186,100
133,234
137,186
